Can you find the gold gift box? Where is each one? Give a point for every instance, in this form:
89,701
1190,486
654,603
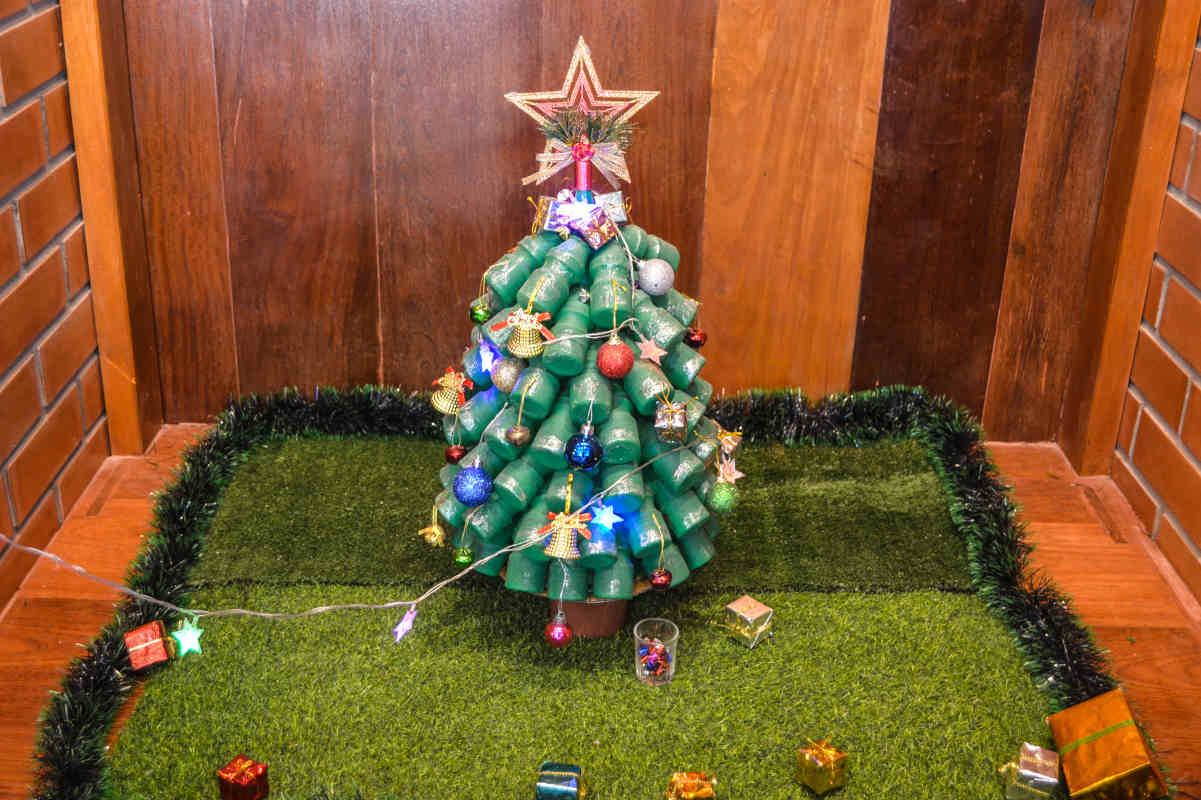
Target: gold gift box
748,620
1102,751
691,786
1035,775
821,767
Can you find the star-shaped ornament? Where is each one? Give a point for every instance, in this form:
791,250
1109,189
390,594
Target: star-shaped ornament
188,638
581,90
727,472
405,625
650,351
605,516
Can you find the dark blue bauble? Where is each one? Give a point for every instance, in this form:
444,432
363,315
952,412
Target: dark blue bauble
473,486
584,451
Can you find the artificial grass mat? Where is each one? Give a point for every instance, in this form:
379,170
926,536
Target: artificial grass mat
924,687
347,511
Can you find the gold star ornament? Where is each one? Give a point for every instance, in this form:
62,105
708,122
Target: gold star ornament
581,91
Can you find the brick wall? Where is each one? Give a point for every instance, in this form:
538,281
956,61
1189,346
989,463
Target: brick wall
1158,458
53,432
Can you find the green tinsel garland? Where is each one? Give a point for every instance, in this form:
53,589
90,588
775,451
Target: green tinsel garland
1056,648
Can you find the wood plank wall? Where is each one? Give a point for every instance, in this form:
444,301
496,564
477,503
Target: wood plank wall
324,182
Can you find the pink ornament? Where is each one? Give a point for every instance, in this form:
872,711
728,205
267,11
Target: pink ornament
558,633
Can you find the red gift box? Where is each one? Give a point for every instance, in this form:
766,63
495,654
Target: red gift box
147,645
243,779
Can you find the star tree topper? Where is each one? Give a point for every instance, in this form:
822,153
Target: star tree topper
581,90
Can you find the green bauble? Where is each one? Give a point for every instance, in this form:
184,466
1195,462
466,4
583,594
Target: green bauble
463,556
723,498
480,313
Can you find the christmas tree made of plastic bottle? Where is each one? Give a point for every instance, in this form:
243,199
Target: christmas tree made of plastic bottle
578,443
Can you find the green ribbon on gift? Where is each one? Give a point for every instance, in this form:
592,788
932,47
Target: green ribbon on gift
1092,737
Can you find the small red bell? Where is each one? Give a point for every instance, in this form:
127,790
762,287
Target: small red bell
696,338
455,453
661,580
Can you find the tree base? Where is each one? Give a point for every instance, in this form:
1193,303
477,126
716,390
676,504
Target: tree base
594,619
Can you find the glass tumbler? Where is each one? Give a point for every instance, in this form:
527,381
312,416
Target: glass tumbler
655,643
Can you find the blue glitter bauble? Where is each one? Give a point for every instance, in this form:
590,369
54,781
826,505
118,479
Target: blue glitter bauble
473,486
584,451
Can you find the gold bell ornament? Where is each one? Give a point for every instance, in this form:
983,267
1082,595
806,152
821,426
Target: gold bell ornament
529,334
450,397
564,528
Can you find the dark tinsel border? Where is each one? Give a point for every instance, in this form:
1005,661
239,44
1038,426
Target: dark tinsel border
1056,647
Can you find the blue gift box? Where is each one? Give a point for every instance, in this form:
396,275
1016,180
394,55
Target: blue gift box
559,782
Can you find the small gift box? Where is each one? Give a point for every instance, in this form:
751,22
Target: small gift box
671,421
1102,751
1034,776
243,779
821,767
691,786
559,782
595,226
748,620
147,645
614,205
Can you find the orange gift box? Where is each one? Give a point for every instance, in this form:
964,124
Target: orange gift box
1102,751
243,779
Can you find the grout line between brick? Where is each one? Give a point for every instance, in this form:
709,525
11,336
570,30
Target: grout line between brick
17,18
1180,361
1188,454
24,186
1188,202
1146,487
1163,290
1138,419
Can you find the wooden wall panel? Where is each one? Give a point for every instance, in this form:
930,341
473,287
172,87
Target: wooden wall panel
450,154
1068,136
179,155
957,80
293,85
1154,79
796,91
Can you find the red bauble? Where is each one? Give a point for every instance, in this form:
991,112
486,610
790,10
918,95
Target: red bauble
455,453
614,359
696,338
661,580
558,633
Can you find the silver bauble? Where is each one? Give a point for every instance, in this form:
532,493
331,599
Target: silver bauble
506,372
655,276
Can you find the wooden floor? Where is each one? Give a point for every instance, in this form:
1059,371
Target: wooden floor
1087,537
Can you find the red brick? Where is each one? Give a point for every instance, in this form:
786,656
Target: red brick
83,466
1168,472
1130,411
1191,431
21,144
37,532
77,260
1184,559
49,205
1180,323
1180,238
58,120
7,9
90,390
1159,379
37,461
20,406
68,346
31,53
29,306
1154,294
10,256
1143,504
1192,97
1181,156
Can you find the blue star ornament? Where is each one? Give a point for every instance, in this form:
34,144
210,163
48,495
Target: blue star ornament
605,516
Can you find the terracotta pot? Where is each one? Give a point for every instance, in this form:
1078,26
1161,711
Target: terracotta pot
594,619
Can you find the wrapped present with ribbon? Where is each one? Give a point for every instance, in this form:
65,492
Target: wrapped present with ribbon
594,226
748,620
243,779
691,786
1034,776
147,645
558,781
671,420
614,204
821,767
1102,751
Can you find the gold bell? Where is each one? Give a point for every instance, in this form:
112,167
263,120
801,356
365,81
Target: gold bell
526,341
446,401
